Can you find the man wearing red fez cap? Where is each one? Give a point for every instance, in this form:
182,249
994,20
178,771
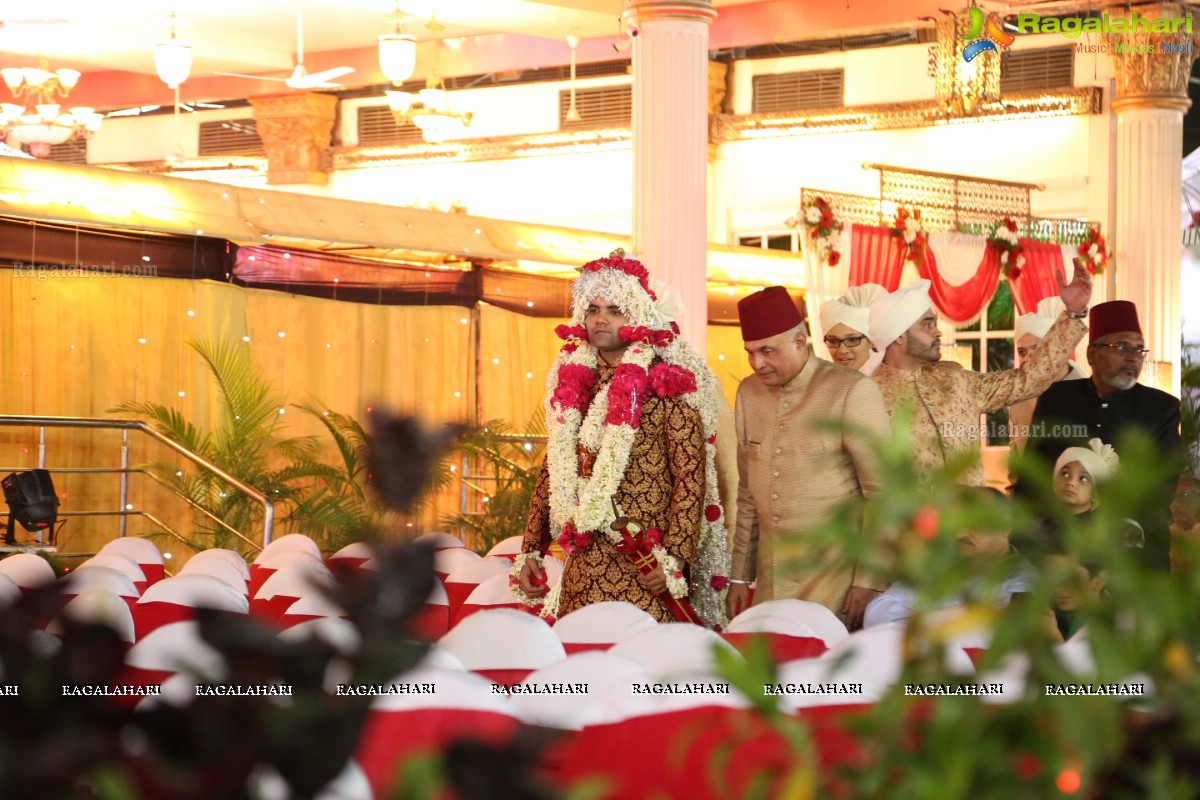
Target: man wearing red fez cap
793,475
1111,403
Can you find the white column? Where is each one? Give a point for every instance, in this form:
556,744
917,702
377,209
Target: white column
670,149
1148,236
1151,98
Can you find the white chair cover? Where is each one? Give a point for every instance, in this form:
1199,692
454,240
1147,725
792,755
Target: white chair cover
27,570
673,651
602,624
820,619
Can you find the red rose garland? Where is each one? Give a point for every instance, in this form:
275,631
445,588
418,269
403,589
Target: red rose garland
668,380
574,389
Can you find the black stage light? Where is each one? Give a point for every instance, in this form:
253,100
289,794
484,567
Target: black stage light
31,501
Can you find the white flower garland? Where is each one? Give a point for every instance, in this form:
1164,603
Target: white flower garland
514,578
671,567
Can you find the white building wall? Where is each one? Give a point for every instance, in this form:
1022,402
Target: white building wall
754,184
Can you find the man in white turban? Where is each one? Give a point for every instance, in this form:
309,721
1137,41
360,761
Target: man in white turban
948,400
846,321
1030,330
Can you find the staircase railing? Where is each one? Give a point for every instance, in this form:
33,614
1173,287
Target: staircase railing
124,512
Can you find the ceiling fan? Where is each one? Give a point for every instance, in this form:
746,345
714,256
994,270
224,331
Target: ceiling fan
300,77
4,22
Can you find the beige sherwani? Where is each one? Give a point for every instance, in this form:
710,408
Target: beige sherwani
793,477
947,399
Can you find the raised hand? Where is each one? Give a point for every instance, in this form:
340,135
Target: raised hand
1078,293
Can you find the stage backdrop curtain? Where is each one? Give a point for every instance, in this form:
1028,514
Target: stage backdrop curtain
74,348
1043,261
963,272
876,256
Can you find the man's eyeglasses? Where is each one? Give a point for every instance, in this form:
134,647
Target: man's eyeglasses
1125,348
850,341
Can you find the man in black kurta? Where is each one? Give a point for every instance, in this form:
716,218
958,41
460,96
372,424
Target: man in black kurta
1110,404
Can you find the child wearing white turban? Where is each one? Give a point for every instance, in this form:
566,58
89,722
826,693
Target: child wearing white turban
846,321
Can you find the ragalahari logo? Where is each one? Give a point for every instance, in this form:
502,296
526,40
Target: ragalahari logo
984,34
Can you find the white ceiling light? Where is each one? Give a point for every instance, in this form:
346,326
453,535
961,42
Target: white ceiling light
397,51
173,59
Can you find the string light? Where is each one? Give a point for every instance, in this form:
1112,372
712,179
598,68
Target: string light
183,394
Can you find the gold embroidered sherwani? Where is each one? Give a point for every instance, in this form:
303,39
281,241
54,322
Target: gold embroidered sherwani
948,399
663,487
793,476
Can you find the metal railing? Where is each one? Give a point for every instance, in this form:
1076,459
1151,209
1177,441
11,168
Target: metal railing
124,512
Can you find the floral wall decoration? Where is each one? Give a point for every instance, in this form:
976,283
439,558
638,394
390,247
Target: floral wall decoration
1094,252
824,229
908,226
1007,243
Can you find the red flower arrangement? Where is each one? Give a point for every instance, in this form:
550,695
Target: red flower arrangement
1006,241
657,338
823,228
628,384
668,380
630,266
908,227
719,582
1094,252
574,389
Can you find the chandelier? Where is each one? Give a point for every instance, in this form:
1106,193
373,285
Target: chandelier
397,51
429,109
963,85
39,121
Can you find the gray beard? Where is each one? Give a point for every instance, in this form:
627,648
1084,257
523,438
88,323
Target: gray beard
1119,382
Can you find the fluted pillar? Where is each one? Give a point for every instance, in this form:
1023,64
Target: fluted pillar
1152,77
670,148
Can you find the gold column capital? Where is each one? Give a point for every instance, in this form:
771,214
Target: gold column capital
296,129
637,12
1152,68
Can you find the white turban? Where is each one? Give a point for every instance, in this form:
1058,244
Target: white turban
853,309
892,315
1098,459
1039,322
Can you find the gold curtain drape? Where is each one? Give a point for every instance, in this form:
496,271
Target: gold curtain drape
78,346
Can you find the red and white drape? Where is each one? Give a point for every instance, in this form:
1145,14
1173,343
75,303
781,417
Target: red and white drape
963,269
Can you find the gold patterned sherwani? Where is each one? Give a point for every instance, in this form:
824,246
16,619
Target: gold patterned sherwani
793,476
947,399
663,487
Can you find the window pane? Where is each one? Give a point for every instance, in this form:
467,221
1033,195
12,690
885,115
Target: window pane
750,241
1001,310
999,355
780,242
974,326
965,352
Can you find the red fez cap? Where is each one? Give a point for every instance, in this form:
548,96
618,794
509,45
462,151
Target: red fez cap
1115,316
767,313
